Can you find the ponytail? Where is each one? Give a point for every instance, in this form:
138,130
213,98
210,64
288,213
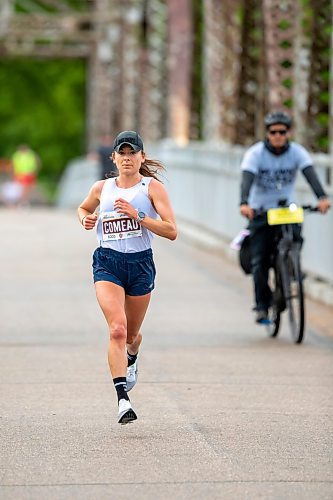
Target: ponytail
151,168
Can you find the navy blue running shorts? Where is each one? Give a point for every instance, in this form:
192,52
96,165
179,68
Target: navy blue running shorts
135,272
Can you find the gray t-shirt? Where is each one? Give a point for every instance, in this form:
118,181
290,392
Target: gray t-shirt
275,175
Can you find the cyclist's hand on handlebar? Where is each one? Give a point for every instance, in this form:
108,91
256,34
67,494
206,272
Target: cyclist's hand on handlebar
246,211
323,205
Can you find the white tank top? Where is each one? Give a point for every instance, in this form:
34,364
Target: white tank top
117,231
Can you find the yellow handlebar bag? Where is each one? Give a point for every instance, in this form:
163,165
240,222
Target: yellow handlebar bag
277,216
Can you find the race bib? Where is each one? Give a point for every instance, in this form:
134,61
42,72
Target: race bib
116,226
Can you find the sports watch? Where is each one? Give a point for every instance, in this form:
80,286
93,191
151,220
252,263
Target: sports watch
140,217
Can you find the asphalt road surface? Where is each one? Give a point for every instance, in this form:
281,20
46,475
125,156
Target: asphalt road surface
224,412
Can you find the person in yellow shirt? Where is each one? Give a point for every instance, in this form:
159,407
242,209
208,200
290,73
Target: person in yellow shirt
25,168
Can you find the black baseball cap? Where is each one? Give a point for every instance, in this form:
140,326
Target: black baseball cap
130,138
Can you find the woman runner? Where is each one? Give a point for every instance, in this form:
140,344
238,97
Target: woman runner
123,266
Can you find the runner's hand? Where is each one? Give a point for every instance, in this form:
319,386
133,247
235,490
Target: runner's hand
89,221
122,206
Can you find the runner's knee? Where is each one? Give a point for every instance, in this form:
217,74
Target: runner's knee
118,332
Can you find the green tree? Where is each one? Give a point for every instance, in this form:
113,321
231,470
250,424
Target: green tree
43,104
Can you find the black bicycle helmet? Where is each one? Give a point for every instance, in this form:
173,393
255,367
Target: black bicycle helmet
277,117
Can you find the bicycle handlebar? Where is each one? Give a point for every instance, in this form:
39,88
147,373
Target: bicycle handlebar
306,208
310,208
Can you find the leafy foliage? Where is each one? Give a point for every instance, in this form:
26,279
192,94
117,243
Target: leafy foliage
43,104
47,6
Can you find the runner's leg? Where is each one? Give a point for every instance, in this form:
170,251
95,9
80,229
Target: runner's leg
111,298
135,309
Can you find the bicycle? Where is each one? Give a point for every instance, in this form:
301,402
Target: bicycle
286,277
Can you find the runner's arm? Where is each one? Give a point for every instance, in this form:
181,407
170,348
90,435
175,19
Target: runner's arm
166,226
86,210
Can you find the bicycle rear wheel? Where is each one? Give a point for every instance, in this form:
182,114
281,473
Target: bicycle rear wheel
274,314
295,296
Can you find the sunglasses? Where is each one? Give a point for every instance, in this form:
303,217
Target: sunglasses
281,132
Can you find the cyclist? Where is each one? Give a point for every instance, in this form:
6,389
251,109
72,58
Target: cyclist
269,170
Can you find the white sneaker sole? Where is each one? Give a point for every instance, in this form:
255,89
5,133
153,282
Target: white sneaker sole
127,416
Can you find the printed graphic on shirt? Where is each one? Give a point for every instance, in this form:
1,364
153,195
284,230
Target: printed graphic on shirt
116,226
268,179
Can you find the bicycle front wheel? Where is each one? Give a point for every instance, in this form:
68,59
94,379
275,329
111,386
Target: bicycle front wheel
295,296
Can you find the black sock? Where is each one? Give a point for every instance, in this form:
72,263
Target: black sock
131,358
120,386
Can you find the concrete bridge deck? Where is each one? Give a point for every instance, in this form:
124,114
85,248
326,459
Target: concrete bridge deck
224,412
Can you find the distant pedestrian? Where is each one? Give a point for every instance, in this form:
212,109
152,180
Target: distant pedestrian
26,165
132,208
103,155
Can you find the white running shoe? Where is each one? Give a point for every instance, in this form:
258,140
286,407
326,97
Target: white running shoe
126,414
132,375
